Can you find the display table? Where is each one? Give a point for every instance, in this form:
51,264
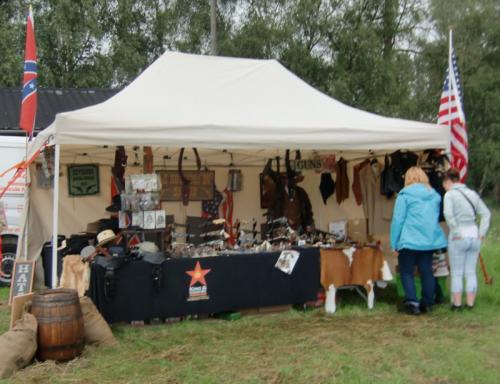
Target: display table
219,284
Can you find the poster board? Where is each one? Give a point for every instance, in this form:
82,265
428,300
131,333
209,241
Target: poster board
83,180
17,308
200,188
22,278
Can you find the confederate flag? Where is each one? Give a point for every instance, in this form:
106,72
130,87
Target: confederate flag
29,97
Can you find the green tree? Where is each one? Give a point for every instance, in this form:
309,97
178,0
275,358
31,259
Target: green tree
11,44
71,43
476,42
385,56
373,69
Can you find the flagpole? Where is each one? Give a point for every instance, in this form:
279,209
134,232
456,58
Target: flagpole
25,234
26,201
450,68
28,113
450,49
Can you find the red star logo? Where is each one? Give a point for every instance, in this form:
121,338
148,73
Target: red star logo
198,275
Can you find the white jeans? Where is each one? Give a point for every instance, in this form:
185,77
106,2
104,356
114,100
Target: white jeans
463,255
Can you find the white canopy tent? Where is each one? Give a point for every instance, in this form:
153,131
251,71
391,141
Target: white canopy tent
184,100
217,102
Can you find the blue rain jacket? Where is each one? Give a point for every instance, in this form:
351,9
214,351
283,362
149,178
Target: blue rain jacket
415,220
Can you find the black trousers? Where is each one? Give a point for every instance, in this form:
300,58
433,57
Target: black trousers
408,259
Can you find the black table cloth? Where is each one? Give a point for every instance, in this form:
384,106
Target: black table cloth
233,282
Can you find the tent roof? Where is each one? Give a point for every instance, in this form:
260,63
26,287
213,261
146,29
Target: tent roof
231,103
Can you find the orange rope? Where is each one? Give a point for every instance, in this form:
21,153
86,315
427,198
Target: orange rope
22,166
11,168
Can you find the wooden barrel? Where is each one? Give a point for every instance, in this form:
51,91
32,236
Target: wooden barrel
60,324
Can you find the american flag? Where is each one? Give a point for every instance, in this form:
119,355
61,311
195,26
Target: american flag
29,96
210,208
451,113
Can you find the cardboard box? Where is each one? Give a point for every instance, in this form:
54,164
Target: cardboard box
357,230
17,309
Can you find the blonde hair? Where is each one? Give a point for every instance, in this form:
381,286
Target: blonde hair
416,175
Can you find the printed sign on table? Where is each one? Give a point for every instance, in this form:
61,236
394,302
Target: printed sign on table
198,284
287,260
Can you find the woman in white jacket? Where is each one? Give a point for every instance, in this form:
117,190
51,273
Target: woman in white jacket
461,208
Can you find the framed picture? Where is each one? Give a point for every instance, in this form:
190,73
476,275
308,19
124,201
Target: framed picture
201,185
160,219
138,219
149,220
83,179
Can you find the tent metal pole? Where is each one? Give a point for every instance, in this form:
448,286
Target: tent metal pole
55,215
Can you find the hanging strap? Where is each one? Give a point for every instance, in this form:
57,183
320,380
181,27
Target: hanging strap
148,159
469,201
227,212
185,181
290,174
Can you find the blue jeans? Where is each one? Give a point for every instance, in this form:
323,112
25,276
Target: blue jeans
407,260
463,254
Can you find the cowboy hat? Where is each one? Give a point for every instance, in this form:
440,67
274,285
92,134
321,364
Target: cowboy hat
147,246
105,237
87,251
93,227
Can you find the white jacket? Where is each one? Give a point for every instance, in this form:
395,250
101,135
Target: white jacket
459,213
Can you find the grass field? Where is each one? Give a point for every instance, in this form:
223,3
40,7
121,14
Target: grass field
353,346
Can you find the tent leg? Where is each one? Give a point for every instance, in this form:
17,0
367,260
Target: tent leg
55,216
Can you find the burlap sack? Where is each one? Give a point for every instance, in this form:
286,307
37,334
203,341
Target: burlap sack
97,331
18,345
75,274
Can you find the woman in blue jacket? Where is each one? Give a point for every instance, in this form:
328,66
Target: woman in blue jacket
415,235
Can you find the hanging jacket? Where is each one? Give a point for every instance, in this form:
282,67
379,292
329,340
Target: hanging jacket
434,165
356,183
388,183
400,163
342,181
376,208
415,222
